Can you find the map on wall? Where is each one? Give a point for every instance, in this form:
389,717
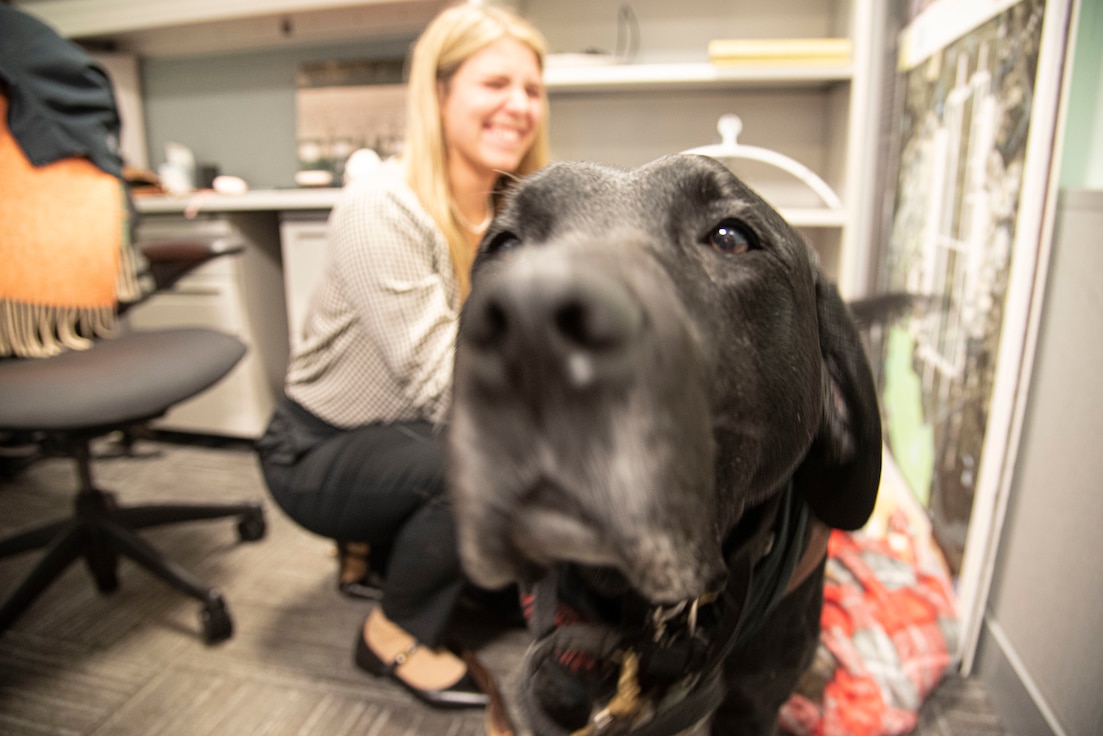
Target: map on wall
955,235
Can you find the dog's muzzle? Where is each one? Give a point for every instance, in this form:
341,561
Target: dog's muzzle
669,658
663,665
581,426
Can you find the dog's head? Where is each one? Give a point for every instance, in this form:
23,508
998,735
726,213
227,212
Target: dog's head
644,355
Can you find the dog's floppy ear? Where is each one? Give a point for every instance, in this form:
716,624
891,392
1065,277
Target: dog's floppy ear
840,474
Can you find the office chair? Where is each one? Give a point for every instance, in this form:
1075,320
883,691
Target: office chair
71,399
71,374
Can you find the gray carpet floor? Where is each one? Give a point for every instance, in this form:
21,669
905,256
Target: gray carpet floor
133,662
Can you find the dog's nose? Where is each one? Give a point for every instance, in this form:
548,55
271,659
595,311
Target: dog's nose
542,322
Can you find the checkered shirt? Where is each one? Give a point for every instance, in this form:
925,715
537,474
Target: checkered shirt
380,331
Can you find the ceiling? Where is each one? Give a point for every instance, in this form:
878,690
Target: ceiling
182,27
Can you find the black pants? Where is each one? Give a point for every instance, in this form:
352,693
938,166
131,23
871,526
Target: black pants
382,484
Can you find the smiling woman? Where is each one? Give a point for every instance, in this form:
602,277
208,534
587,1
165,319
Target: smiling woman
354,452
490,111
476,76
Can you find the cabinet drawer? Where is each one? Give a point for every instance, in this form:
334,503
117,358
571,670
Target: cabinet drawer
215,307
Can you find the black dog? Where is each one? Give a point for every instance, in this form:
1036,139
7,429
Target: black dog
661,404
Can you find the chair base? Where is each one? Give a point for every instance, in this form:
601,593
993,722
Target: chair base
101,530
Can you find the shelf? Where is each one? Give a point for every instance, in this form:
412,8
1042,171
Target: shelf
689,75
813,217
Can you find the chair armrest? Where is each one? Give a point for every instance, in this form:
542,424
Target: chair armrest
169,260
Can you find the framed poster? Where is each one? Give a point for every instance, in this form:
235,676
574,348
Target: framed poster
981,82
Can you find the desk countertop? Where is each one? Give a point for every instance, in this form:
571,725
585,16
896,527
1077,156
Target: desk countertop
277,200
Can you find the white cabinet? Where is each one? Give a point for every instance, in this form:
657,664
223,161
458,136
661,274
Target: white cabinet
241,294
668,97
303,243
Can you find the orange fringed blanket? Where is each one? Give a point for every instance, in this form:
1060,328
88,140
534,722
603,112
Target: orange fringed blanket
65,258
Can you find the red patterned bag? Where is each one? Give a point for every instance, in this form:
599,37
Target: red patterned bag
889,633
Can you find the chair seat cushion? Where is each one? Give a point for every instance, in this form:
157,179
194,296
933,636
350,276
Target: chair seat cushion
136,376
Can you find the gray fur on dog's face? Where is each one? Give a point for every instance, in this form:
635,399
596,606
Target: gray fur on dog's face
640,358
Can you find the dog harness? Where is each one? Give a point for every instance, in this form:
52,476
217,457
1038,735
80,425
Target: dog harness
669,658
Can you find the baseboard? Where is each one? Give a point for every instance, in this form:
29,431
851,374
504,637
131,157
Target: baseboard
1015,697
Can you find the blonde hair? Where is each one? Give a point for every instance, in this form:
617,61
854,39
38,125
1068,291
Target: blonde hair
448,41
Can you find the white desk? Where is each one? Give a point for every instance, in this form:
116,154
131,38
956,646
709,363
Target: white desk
260,200
254,294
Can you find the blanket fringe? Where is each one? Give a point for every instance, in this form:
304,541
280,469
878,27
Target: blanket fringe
128,285
40,331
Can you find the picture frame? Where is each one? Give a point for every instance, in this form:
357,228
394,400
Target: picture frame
971,222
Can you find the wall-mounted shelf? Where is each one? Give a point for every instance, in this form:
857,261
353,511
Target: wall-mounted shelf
689,75
814,217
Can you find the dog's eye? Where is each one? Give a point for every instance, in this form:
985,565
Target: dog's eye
731,237
503,241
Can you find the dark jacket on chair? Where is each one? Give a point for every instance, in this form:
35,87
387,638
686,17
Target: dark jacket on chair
61,101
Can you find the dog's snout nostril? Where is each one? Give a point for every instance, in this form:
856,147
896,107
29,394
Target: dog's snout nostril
598,315
570,321
582,326
492,326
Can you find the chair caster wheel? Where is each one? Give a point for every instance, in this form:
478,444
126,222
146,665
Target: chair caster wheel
103,563
252,527
216,622
107,580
